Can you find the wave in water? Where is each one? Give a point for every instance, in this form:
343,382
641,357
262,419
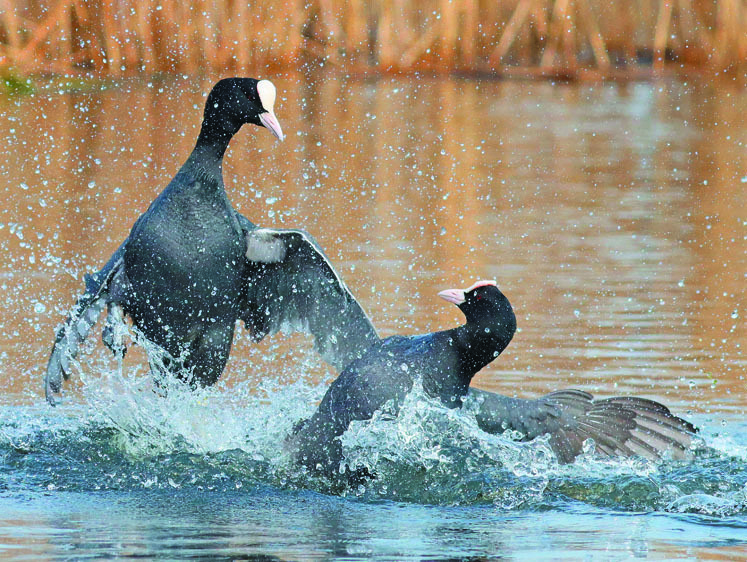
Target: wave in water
127,435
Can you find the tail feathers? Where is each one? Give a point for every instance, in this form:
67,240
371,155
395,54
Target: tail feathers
627,426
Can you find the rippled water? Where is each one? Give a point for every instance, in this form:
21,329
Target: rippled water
611,215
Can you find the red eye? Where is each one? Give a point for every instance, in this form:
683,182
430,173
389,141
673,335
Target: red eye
478,297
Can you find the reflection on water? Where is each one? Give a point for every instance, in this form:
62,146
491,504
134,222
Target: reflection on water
319,528
610,214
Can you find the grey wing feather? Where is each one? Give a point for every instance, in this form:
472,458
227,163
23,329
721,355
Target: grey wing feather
82,318
627,426
292,286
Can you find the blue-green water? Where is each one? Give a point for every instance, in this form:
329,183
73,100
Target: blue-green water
610,214
132,473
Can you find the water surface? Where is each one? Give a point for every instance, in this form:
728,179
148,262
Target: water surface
610,214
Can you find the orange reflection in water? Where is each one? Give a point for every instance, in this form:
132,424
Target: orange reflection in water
611,216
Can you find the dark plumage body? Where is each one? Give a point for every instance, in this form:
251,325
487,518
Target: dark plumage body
445,363
192,266
189,238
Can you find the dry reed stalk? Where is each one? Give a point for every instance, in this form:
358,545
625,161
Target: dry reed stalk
85,31
144,9
240,35
470,36
110,34
63,42
540,21
295,41
129,38
198,35
223,50
693,34
224,38
327,11
730,32
407,24
39,34
419,46
184,44
571,22
355,32
691,39
662,31
266,31
449,28
115,36
9,20
511,31
568,37
595,38
161,35
384,36
556,35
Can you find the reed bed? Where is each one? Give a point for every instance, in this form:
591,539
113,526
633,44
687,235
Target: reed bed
112,38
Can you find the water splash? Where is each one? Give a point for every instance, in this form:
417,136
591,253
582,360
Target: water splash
130,434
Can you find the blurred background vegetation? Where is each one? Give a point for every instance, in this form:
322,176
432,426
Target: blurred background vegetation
566,38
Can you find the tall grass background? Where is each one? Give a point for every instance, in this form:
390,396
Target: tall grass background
118,37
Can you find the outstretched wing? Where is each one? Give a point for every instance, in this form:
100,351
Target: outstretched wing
619,426
82,318
292,286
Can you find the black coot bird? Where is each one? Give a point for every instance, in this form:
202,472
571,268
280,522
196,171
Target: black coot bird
445,362
192,266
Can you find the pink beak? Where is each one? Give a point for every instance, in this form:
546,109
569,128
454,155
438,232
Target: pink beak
453,295
269,120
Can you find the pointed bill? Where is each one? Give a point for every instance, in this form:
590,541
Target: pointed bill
455,296
269,120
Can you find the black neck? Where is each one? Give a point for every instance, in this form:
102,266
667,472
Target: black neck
477,347
207,156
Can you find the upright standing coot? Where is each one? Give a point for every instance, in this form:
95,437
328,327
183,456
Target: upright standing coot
192,266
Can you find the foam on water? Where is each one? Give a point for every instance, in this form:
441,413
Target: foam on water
130,433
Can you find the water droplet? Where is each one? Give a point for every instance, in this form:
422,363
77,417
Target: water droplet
577,313
39,308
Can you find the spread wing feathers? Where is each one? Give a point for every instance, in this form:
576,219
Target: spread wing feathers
83,316
624,426
292,286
